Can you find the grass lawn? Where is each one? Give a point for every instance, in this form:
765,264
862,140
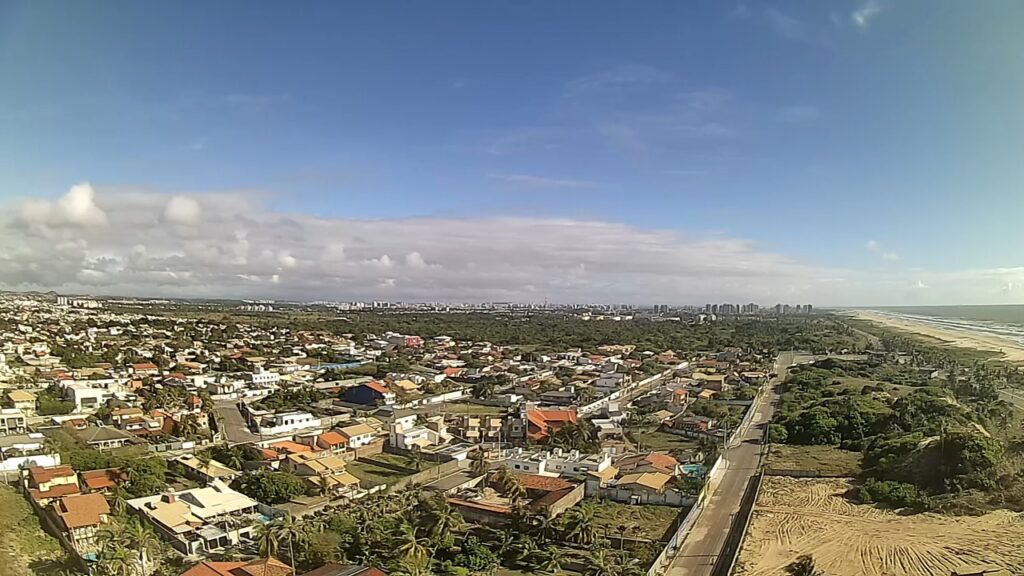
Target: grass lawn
399,460
371,475
22,540
658,440
653,521
825,459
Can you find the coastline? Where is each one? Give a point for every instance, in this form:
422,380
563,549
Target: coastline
1010,349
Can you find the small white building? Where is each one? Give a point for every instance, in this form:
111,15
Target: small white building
556,462
263,378
286,422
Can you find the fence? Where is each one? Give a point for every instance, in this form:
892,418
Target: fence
433,473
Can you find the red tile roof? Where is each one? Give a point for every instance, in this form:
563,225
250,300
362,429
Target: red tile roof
290,447
100,479
82,510
40,475
331,439
542,421
377,387
547,483
57,491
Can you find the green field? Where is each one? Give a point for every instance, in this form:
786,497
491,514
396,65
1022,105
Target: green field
23,544
827,460
647,522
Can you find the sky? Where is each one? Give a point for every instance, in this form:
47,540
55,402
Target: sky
834,153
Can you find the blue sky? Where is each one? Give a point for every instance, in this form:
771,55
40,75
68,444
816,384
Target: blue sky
866,143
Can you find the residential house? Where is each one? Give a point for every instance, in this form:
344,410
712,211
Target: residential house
650,462
541,423
323,473
206,472
373,393
418,437
47,484
557,462
268,566
12,421
105,437
103,480
357,435
286,422
202,520
21,400
80,517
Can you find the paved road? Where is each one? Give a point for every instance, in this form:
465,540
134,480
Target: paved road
231,423
697,554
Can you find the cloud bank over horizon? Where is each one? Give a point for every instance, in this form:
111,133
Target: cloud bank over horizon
137,242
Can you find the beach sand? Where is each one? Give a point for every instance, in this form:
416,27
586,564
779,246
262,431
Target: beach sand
1010,350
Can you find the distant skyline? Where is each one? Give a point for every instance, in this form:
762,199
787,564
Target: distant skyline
839,154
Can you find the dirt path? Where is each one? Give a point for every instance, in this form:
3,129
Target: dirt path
810,516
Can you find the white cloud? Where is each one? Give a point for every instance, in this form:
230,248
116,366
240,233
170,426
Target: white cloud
873,245
415,260
182,210
540,181
76,208
863,16
241,249
890,256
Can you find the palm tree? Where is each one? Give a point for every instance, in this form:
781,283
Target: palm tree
287,529
411,547
478,463
803,566
581,525
514,490
141,538
187,427
413,568
116,560
118,500
442,519
268,540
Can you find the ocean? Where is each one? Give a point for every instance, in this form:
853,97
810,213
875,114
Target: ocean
1006,321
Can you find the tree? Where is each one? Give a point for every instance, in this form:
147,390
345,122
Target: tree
412,548
581,527
140,538
116,560
267,537
478,463
270,487
803,566
287,529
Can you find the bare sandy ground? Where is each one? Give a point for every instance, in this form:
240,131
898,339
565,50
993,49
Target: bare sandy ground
810,516
1011,351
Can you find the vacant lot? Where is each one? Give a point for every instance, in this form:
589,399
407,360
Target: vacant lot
658,440
793,517
22,541
647,522
371,475
826,460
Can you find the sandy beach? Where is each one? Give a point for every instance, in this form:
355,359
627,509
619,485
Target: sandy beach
1010,349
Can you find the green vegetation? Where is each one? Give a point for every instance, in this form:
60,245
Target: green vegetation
661,441
371,475
22,540
827,460
639,522
925,445
270,487
147,474
302,398
50,402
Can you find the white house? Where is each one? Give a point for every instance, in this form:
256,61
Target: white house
262,377
357,435
285,422
556,462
